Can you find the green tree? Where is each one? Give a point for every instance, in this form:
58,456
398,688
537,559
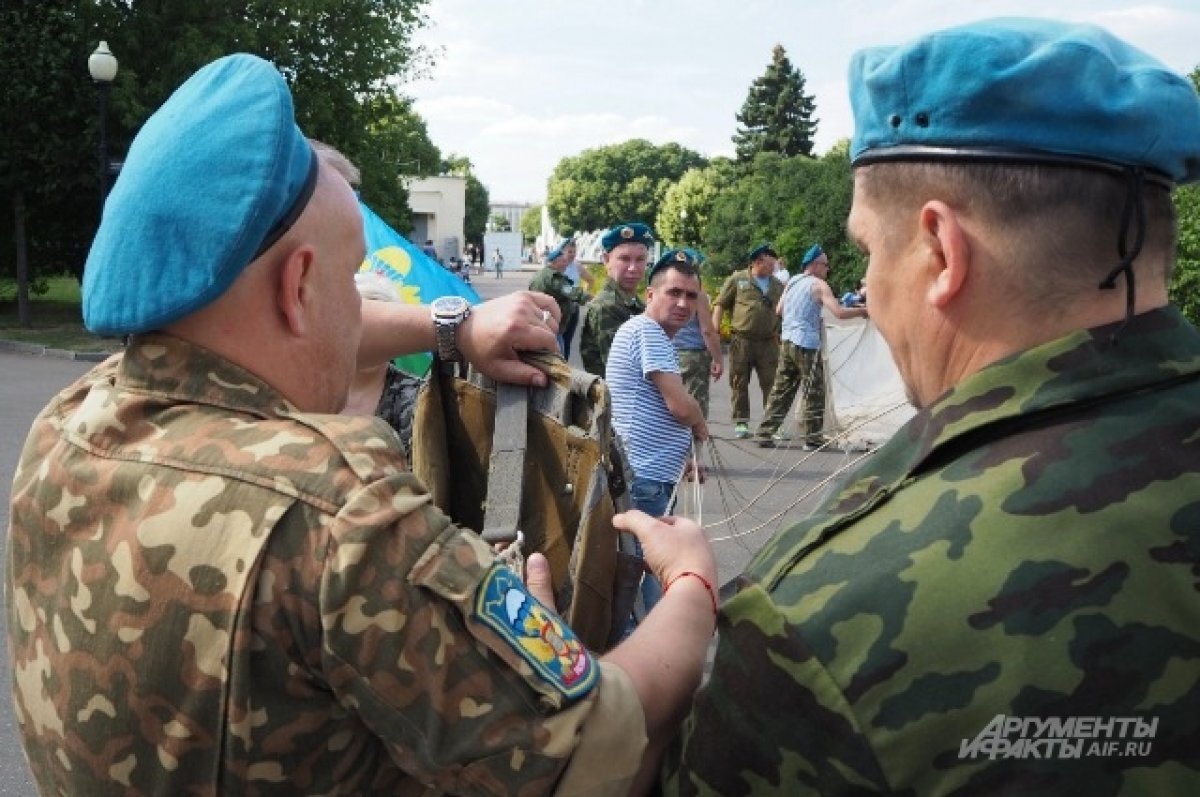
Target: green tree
531,223
396,143
793,202
49,192
478,202
688,203
1184,289
500,223
777,115
622,182
342,58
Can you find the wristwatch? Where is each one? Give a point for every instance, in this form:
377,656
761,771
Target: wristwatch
448,312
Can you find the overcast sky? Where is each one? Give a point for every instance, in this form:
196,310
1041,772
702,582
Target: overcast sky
519,84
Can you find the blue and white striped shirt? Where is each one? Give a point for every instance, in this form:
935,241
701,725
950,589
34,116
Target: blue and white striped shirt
656,443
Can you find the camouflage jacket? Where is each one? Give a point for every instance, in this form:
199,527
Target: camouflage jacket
605,314
558,287
751,312
1008,588
210,592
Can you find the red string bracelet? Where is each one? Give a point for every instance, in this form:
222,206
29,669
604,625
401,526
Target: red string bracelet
712,595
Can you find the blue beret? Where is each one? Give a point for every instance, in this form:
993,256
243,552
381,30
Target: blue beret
1026,91
687,258
633,232
213,178
763,249
812,254
554,254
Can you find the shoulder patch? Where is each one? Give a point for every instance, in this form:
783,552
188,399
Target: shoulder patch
537,635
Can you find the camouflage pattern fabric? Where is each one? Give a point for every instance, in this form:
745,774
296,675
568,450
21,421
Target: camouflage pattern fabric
751,312
799,369
559,287
610,308
695,367
1021,561
397,402
748,356
210,592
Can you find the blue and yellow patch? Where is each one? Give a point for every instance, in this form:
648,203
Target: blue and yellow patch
539,636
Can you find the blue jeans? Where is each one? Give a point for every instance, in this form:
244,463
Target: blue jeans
653,498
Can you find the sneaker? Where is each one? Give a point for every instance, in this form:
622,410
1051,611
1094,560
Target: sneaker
822,445
767,442
741,431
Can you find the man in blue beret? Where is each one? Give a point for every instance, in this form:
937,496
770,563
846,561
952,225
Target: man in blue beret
652,411
552,282
220,585
626,253
750,297
801,360
1003,599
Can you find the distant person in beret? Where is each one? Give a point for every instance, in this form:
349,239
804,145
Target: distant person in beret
698,344
801,361
750,296
1002,600
657,420
551,281
626,253
582,279
220,585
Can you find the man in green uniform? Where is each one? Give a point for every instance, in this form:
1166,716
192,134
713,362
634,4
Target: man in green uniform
1003,601
554,283
626,252
217,585
750,296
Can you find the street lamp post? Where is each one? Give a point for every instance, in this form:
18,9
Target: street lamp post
103,67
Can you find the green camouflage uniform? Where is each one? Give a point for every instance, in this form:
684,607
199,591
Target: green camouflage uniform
558,287
610,308
695,366
210,592
754,343
1026,547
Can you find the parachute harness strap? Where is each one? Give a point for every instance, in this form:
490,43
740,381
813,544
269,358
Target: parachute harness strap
506,468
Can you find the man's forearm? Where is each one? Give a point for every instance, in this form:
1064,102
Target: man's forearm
393,329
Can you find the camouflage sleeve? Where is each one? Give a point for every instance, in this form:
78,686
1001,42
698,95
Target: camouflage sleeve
728,294
745,737
600,327
473,686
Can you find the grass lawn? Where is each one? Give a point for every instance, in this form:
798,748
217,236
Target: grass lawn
56,320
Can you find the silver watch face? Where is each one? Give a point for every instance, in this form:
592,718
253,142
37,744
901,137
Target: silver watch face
449,306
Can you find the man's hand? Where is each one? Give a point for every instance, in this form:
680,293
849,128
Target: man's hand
496,332
670,545
700,431
693,471
538,581
717,368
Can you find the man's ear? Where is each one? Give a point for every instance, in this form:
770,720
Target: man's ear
295,288
948,249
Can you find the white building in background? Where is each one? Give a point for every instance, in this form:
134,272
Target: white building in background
512,211
439,211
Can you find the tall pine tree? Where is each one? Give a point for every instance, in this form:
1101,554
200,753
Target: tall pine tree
777,115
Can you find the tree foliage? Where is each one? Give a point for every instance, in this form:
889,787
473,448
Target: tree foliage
777,115
1185,280
342,58
792,202
477,199
688,204
48,158
531,223
623,182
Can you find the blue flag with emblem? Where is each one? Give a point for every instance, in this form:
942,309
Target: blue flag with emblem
418,278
